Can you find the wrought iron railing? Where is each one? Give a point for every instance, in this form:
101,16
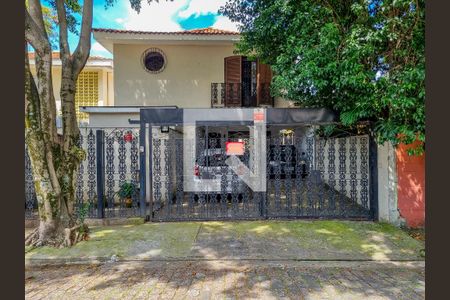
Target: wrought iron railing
240,94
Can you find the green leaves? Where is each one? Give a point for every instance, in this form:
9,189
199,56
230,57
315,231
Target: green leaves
362,58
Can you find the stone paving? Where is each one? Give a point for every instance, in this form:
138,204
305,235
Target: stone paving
228,280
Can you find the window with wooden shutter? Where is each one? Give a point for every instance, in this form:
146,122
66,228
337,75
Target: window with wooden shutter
87,93
233,80
263,80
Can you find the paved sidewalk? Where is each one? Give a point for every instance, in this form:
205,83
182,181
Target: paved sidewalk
232,260
228,280
267,240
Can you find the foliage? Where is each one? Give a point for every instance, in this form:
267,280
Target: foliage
83,212
135,4
128,190
50,21
362,58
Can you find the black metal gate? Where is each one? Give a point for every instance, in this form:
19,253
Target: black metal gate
140,172
307,176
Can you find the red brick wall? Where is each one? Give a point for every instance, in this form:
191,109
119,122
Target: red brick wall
411,187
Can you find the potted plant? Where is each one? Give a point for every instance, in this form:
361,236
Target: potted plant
127,191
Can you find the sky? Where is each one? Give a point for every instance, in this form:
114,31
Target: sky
163,16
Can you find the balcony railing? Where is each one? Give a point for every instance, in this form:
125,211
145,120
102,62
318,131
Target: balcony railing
218,94
240,95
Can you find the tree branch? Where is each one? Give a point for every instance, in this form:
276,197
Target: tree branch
81,53
32,114
35,10
35,36
63,35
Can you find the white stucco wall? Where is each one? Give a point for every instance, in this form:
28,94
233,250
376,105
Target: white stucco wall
387,185
185,81
112,120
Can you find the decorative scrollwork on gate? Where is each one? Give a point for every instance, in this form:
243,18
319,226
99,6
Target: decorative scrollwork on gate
109,170
134,166
353,169
311,190
364,171
30,193
299,171
167,168
277,172
331,173
288,178
91,169
321,168
179,176
157,173
79,193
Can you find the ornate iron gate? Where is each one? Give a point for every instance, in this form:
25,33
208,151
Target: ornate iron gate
235,200
307,176
316,177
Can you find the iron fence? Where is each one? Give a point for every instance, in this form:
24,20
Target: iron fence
111,165
306,176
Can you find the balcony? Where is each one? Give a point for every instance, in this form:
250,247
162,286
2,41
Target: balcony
240,95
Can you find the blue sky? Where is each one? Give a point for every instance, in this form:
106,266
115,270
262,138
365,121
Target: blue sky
163,16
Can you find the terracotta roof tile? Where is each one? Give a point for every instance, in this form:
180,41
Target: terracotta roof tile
200,31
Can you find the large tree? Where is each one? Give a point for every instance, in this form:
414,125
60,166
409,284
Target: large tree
55,157
362,58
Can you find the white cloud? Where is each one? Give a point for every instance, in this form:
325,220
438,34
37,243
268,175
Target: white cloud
223,22
198,7
154,17
162,16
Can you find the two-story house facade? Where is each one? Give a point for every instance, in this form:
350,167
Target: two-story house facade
187,69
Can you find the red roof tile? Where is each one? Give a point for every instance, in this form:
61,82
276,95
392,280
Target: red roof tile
200,31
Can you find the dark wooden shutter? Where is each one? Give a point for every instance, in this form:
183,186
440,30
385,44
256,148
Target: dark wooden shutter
233,80
264,77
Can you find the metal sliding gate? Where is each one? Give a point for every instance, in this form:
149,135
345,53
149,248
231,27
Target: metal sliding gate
307,177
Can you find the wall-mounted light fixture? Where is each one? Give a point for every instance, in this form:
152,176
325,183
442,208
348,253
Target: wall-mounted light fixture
164,129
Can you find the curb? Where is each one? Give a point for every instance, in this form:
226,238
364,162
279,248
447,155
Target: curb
419,263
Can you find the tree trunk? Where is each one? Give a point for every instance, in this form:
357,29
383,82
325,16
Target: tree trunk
54,172
54,158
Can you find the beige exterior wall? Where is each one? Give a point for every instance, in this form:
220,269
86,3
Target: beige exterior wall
185,81
105,83
110,89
